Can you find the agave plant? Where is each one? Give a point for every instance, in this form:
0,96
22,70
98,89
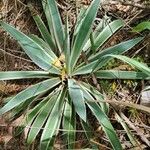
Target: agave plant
67,63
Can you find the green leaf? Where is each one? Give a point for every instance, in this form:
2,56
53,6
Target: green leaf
17,111
11,75
97,61
90,92
76,95
84,32
89,134
49,19
117,49
43,29
67,45
140,66
79,21
32,49
142,26
107,127
127,130
117,74
44,45
40,119
53,122
29,93
56,24
105,34
69,125
31,114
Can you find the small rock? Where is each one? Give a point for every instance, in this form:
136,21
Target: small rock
145,98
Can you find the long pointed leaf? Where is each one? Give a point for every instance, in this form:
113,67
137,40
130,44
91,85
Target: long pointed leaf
40,120
32,49
56,24
67,45
140,66
84,32
28,93
42,28
69,125
105,34
44,45
97,61
76,95
11,75
107,127
117,74
117,49
53,123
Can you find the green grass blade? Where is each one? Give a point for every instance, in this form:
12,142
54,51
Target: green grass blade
56,24
107,127
140,66
142,26
69,125
43,29
11,75
117,74
77,98
40,120
84,32
53,122
29,93
32,49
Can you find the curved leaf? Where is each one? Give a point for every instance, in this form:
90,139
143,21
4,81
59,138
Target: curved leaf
84,32
40,120
97,61
53,122
140,66
117,74
107,127
77,98
29,93
105,34
32,49
142,26
42,28
117,49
